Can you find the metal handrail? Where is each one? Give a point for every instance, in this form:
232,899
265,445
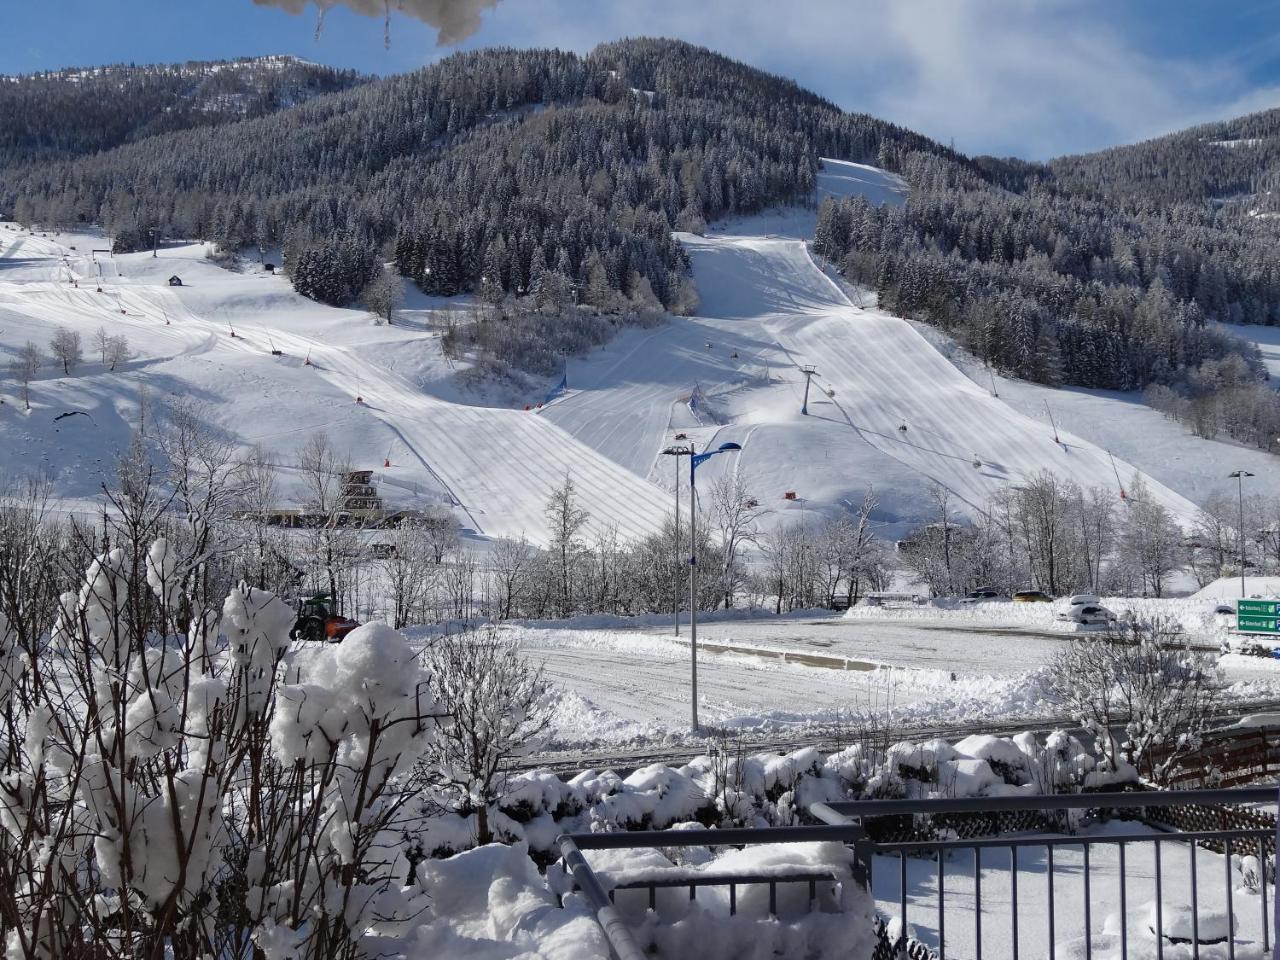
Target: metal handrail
715,837
1049,801
615,929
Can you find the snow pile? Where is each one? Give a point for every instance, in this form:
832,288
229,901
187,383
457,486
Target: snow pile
491,904
1228,589
838,923
725,788
1194,615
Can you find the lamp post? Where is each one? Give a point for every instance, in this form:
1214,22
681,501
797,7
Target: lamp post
695,460
1238,476
676,452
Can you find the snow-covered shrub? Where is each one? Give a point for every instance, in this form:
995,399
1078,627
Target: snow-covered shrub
497,709
1144,679
177,781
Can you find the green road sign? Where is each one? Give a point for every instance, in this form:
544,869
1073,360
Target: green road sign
1247,624
1258,608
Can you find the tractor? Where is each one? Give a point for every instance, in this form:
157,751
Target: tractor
318,621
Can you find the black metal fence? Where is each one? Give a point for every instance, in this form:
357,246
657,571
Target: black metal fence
1002,855
1137,839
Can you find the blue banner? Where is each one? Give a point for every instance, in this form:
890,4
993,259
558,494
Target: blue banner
558,389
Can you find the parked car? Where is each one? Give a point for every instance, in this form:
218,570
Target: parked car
981,595
1225,608
1032,596
1084,599
1087,613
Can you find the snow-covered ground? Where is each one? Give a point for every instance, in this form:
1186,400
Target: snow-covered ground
729,373
625,684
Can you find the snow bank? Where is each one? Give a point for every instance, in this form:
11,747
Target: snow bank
1195,615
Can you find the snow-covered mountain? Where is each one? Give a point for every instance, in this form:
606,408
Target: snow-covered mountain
587,197
730,372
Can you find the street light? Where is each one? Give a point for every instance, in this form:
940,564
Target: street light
694,461
676,452
1238,476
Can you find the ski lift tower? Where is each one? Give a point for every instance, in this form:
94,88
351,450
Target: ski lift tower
808,372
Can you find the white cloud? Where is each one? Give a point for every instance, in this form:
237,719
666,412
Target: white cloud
1031,77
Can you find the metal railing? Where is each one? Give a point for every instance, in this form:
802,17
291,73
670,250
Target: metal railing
995,858
1243,840
615,927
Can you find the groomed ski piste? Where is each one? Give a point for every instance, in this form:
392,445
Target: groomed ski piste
389,400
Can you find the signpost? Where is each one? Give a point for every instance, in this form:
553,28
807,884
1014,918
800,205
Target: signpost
1258,616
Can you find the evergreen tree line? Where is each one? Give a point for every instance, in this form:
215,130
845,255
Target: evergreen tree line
71,113
1058,289
493,168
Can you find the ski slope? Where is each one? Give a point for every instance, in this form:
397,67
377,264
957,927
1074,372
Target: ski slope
766,310
497,467
730,373
885,377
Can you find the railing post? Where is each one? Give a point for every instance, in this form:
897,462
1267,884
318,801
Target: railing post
615,928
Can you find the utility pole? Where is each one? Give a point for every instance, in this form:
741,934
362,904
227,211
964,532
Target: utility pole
1049,410
694,460
1238,476
677,452
808,372
155,242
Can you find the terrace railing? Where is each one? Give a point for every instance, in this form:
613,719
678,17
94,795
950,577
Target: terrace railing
1236,826
1245,833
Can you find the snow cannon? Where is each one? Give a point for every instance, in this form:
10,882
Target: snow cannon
359,398
386,462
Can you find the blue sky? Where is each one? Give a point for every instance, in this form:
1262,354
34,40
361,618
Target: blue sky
1034,78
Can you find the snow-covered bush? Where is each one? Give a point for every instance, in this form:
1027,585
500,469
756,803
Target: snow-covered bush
498,708
1144,679
177,781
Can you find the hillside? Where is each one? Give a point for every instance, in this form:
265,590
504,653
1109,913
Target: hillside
70,113
544,211
498,163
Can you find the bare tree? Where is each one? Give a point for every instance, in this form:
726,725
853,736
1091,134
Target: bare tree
1150,548
565,520
442,532
408,571
204,476
65,347
510,562
100,340
734,512
258,496
384,295
24,367
499,709
117,351
322,472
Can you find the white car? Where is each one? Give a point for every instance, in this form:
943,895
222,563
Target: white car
981,595
1087,613
1083,600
